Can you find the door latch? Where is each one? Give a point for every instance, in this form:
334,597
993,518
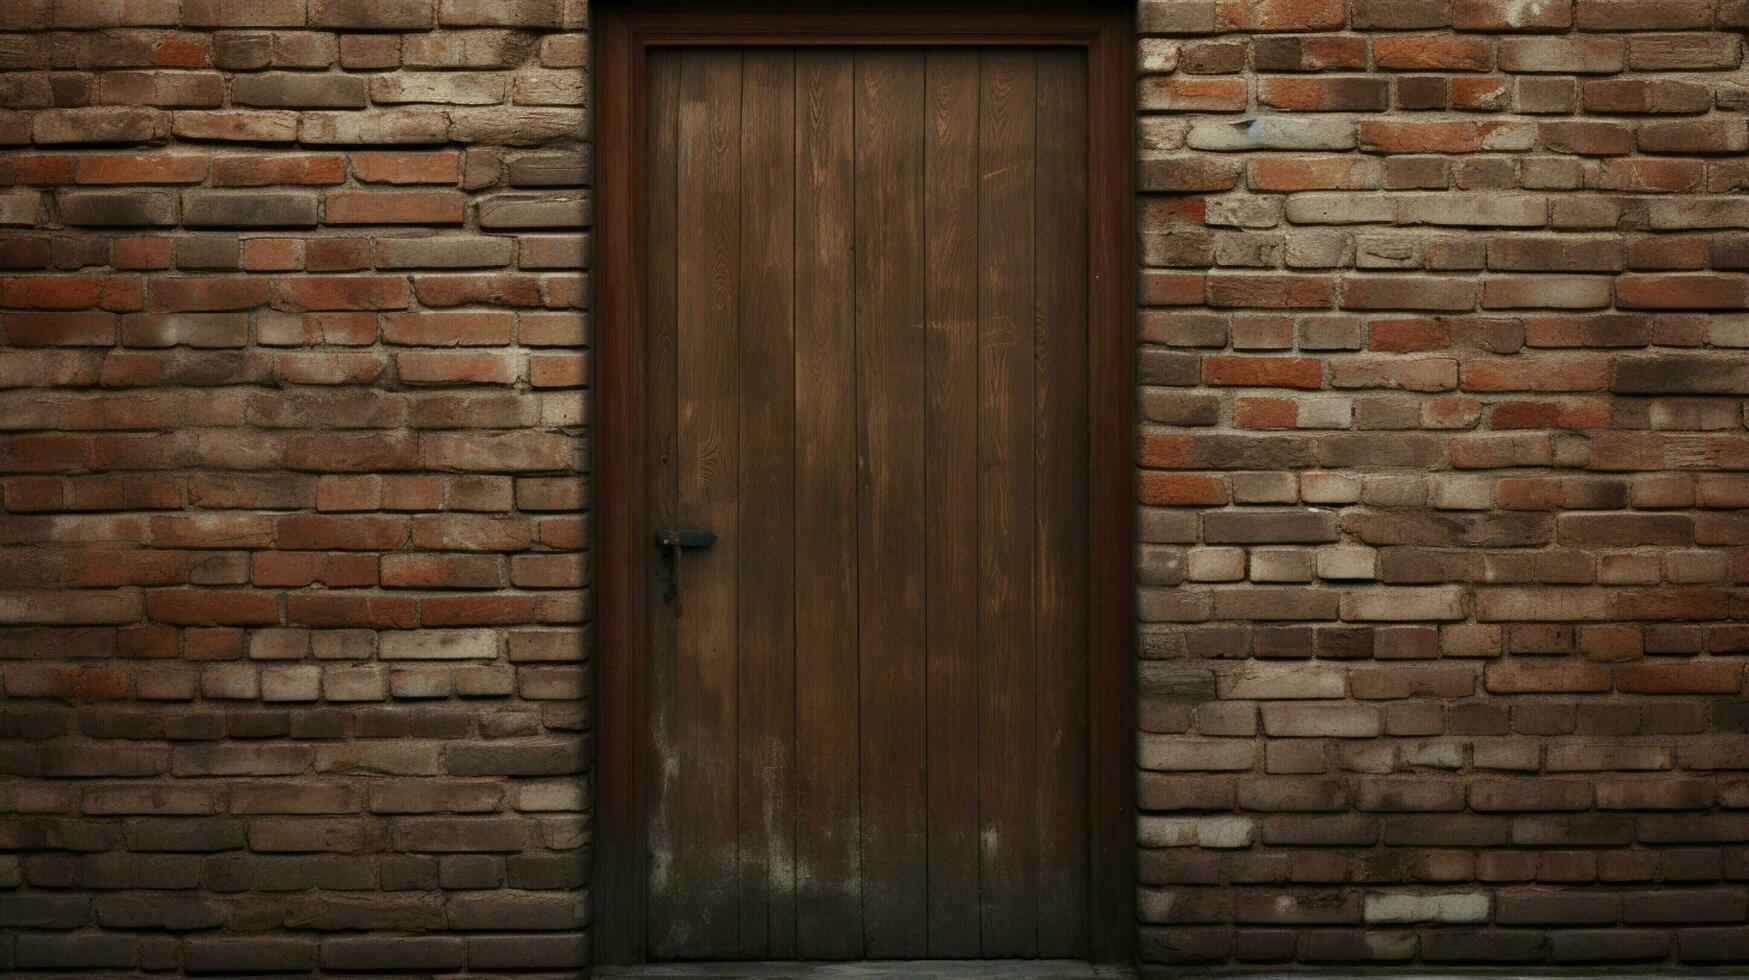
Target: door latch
672,541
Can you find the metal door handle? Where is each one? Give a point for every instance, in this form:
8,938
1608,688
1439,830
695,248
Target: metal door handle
685,537
672,540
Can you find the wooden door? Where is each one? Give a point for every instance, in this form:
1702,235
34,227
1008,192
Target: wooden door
867,336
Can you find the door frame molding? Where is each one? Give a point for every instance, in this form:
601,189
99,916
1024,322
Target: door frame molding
623,34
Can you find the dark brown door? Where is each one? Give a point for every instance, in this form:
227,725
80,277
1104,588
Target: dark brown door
867,315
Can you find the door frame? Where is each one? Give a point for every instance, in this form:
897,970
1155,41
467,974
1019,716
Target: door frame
624,32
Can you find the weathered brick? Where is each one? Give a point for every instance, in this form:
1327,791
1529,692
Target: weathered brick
372,561
392,952
403,15
252,209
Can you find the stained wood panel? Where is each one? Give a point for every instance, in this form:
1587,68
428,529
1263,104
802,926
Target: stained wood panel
1060,594
765,623
1007,661
694,850
951,470
889,395
828,783
867,332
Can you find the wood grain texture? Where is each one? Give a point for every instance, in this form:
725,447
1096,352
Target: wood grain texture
1007,661
951,499
827,784
890,351
765,624
829,836
694,912
898,283
662,365
1060,450
622,500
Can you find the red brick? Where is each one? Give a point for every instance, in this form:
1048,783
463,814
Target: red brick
1439,52
1171,289
1682,292
407,168
1276,292
316,533
1647,174
337,254
1348,94
1405,336
1482,93
324,293
1265,413
428,571
1623,95
484,610
505,289
393,207
1280,15
1421,137
297,569
450,368
344,610
1685,678
196,293
142,253
37,169
1561,676
141,168
1190,94
256,462
1183,489
272,254
210,607
1313,174
267,171
59,329
1263,372
467,329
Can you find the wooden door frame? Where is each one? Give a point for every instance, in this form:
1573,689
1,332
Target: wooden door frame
623,35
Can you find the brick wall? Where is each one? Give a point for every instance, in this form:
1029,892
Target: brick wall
1442,468
1442,572
291,435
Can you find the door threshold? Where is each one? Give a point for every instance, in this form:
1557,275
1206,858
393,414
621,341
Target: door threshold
875,970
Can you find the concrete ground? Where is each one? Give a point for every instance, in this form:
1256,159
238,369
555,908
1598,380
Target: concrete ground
875,970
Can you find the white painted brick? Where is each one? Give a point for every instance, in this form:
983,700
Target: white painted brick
1217,832
1175,753
1271,132
1266,681
1214,564
1402,909
1321,720
1404,605
1339,209
1329,488
1349,563
440,645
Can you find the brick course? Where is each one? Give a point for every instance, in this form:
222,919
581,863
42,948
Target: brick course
293,428
1441,373
1441,575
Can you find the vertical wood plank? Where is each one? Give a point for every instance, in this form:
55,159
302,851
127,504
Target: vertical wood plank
658,407
1111,488
890,351
1060,581
663,179
951,377
1007,665
693,867
828,842
766,621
